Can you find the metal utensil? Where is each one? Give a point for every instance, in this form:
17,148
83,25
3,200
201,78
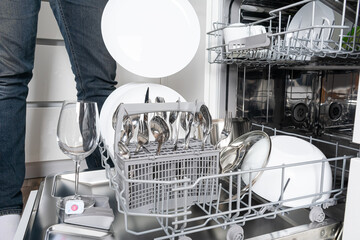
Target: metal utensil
114,117
172,119
147,98
160,130
207,124
131,123
186,120
146,116
123,150
198,122
142,136
240,126
126,134
161,100
227,128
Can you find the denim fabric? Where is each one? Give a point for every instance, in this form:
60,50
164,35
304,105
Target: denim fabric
93,67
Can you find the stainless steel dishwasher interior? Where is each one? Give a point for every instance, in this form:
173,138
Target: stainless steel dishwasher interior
46,219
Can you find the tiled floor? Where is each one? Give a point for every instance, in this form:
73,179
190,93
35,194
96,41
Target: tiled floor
30,185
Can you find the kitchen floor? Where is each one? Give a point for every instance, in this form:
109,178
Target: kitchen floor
30,185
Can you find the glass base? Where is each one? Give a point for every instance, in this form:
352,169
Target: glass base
89,201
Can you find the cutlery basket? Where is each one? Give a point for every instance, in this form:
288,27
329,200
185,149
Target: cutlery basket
146,183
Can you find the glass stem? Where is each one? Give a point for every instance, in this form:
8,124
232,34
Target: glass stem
77,170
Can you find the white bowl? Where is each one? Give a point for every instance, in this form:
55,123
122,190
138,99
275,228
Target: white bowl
130,93
304,179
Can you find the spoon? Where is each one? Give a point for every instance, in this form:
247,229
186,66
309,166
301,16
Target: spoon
124,150
131,126
142,136
207,124
186,120
199,121
172,119
160,130
114,117
126,134
161,100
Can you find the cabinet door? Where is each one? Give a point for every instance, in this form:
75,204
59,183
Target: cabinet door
47,25
41,144
53,79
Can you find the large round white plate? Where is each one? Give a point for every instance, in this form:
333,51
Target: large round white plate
303,18
130,93
108,107
304,180
152,39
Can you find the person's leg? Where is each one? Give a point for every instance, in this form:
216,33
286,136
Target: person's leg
18,25
93,67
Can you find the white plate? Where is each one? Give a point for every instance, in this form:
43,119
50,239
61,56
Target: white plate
303,18
144,36
130,93
304,180
108,107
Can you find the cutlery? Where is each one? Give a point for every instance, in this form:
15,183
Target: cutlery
186,120
126,134
130,124
124,150
160,130
142,136
172,119
207,124
227,128
114,117
146,117
161,100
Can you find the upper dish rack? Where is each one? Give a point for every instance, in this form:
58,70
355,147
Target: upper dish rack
334,37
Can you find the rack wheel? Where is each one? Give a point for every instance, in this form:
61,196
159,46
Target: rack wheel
317,214
184,238
235,232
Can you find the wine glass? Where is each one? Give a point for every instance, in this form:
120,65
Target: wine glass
78,135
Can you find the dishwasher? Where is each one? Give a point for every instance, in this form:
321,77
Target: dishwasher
300,82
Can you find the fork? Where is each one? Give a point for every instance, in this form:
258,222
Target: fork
227,128
142,136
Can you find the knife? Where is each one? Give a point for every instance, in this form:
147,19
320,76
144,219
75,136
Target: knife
147,96
147,100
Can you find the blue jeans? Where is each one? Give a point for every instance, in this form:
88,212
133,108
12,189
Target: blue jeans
93,67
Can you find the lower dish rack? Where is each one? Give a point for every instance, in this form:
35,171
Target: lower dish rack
167,187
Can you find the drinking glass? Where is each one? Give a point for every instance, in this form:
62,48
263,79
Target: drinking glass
78,135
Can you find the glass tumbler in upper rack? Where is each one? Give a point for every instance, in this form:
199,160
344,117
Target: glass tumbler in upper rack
78,135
